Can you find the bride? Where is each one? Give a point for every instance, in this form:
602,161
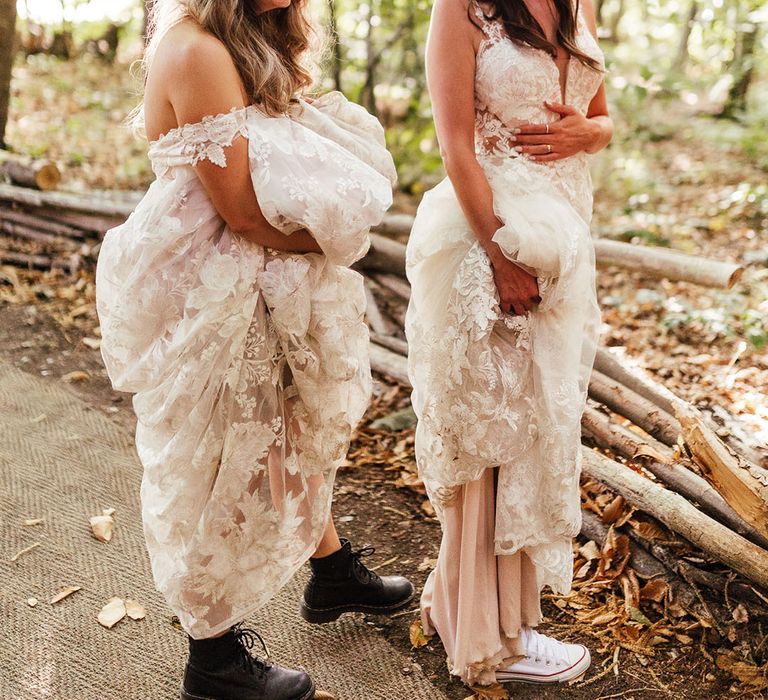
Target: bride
503,323
228,308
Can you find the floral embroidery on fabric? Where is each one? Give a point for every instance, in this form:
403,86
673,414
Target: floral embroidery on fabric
249,366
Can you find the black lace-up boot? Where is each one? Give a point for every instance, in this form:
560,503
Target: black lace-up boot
224,669
342,583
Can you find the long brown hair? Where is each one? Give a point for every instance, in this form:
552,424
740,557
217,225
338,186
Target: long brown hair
521,26
271,50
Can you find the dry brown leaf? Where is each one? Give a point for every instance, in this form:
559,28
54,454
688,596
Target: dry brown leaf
93,343
102,526
34,521
428,508
134,610
646,450
589,551
112,613
648,530
654,590
740,614
64,593
418,638
76,376
488,692
613,510
631,590
747,673
583,570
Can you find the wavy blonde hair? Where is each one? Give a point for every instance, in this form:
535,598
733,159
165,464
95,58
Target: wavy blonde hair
275,52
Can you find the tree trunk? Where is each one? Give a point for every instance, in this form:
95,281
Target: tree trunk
336,56
744,70
7,43
685,35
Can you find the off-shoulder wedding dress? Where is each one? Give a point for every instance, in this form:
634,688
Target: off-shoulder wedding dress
499,397
249,366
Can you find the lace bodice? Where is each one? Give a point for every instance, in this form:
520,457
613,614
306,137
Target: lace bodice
512,82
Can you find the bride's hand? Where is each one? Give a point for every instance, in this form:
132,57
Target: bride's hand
571,134
518,290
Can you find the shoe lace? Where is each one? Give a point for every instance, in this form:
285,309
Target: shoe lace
246,640
540,647
361,571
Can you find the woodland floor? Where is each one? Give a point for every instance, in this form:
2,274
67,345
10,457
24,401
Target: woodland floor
688,184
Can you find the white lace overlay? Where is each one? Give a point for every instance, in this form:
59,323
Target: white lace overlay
492,389
249,366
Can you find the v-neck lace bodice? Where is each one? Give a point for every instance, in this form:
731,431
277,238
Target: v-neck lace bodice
512,82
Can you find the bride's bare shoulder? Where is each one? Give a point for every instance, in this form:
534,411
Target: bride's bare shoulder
187,49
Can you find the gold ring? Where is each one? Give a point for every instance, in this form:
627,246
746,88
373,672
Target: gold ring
549,148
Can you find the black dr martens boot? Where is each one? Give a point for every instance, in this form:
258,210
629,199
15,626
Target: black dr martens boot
341,583
223,669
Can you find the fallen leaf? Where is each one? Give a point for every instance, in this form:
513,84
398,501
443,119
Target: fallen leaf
654,590
76,376
24,551
34,521
589,551
418,638
64,593
740,614
428,509
101,526
747,673
93,343
31,602
134,610
613,510
488,692
112,613
427,564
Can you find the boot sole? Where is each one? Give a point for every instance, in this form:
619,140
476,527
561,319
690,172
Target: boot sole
320,616
569,674
189,696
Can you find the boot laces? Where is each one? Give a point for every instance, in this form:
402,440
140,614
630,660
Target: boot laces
361,571
246,640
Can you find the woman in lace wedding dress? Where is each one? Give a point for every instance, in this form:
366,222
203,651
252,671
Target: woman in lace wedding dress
228,308
503,323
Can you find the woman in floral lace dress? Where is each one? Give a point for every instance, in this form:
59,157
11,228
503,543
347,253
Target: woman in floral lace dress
228,308
503,323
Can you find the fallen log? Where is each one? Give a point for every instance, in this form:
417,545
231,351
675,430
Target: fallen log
640,411
668,264
680,516
396,285
37,222
397,346
658,460
32,262
389,256
376,320
638,381
390,364
28,172
12,228
742,484
104,204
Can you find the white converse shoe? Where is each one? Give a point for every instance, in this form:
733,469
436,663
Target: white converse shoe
547,660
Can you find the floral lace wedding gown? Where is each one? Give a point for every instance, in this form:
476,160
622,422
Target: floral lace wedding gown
495,390
249,366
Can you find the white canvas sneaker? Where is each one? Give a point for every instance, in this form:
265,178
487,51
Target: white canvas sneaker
547,660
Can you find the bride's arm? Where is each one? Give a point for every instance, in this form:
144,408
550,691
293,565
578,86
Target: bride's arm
451,82
200,79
